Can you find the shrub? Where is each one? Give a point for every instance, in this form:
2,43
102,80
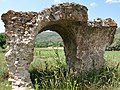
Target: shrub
107,77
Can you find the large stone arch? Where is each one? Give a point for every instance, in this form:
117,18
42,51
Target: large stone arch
84,41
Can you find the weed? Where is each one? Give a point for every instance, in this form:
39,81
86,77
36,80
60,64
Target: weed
57,76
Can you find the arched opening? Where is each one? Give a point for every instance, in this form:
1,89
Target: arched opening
52,59
48,51
68,37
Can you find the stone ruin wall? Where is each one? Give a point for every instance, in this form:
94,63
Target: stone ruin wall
84,41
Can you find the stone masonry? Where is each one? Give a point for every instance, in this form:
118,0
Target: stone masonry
84,41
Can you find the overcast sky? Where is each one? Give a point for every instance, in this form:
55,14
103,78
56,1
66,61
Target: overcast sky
96,8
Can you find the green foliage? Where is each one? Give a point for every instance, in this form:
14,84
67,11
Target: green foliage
55,76
49,36
51,59
3,66
3,72
48,39
2,40
107,77
4,84
115,46
44,44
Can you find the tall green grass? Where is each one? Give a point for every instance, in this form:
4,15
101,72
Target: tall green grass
4,84
3,66
51,73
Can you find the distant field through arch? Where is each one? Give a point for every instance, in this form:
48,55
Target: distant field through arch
48,49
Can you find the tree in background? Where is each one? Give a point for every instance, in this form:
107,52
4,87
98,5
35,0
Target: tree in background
115,46
2,40
45,44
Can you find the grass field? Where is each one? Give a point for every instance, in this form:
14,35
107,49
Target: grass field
109,78
48,54
112,55
52,59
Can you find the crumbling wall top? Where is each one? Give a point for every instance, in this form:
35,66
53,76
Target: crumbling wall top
68,11
98,22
